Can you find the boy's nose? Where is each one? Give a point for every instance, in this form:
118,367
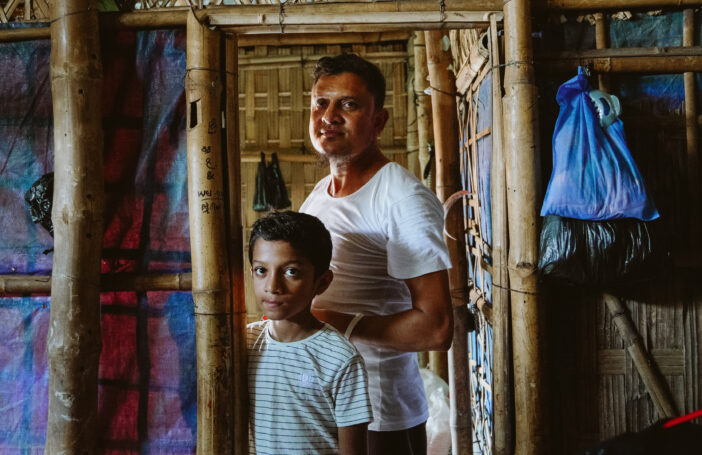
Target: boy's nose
273,283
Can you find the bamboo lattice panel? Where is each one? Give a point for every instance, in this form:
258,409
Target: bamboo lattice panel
274,99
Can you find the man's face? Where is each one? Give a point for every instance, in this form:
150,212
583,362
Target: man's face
343,120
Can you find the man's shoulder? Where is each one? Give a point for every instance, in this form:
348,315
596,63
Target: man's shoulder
400,182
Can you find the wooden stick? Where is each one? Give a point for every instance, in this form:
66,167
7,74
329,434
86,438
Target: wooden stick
502,352
521,145
295,61
651,60
692,133
448,182
296,39
208,240
412,132
74,340
600,5
645,364
236,250
602,42
109,282
425,131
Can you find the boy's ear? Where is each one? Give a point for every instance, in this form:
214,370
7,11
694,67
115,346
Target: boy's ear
323,282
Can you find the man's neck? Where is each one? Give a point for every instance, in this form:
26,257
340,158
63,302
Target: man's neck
349,176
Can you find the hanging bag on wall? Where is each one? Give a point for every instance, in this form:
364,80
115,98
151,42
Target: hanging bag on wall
594,175
596,205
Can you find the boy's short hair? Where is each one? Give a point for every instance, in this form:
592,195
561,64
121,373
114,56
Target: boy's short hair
352,63
305,233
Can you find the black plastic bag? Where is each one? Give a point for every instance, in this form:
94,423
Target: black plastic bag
270,192
277,193
260,199
40,198
595,253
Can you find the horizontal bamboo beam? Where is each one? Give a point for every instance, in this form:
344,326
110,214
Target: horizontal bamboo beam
650,60
281,61
293,39
600,5
159,18
113,282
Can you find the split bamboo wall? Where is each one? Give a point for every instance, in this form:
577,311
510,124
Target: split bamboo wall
274,99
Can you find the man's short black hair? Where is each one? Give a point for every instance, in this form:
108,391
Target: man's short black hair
352,63
305,233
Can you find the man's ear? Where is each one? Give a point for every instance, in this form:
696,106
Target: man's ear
380,119
323,282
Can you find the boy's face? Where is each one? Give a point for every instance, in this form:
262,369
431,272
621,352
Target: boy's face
284,281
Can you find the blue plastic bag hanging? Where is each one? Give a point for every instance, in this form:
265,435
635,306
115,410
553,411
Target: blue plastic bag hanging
594,175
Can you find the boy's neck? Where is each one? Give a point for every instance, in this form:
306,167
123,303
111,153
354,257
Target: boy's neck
287,330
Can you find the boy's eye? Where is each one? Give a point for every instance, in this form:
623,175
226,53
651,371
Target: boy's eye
292,272
259,271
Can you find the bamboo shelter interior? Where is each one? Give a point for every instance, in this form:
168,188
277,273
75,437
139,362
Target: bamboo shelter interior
123,330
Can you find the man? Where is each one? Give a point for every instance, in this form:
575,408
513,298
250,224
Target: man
389,258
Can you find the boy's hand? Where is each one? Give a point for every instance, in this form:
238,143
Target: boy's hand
353,440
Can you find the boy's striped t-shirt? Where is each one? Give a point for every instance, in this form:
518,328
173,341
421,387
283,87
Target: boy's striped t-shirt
301,392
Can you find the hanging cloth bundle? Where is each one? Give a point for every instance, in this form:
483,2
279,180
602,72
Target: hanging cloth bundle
596,205
270,192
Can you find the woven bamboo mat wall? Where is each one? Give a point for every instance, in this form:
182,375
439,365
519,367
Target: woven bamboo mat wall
274,99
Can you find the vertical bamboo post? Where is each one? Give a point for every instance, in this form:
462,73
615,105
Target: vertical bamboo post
502,348
208,239
412,134
521,147
692,131
448,181
74,341
602,42
424,127
236,247
438,361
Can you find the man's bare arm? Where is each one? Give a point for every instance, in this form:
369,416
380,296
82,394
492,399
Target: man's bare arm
353,440
427,326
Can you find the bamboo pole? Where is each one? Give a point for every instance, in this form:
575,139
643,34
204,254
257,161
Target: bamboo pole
74,340
692,132
438,361
651,60
425,131
521,146
236,249
644,363
449,182
109,282
296,39
502,352
602,42
412,132
208,239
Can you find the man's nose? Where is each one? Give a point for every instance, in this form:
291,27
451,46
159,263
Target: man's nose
330,115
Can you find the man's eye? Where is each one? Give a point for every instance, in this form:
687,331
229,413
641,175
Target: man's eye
292,272
350,105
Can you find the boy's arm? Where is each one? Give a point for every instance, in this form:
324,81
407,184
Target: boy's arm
352,440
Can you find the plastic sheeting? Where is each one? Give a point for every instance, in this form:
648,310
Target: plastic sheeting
147,378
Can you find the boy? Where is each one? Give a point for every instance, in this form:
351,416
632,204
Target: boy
308,387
